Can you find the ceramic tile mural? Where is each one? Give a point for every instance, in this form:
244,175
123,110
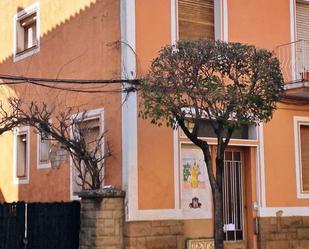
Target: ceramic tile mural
196,197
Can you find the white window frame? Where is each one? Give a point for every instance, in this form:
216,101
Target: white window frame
17,132
298,121
34,8
88,115
41,165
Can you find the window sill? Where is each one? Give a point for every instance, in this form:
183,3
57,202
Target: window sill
21,180
42,165
26,53
303,195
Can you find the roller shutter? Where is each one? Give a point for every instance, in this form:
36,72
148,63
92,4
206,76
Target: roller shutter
304,138
196,19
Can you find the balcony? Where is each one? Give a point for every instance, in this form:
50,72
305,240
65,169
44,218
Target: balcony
294,59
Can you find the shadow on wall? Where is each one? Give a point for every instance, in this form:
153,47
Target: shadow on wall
85,45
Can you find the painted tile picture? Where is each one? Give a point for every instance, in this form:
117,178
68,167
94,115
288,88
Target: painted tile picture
195,187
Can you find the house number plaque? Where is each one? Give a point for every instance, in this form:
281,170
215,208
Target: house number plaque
200,244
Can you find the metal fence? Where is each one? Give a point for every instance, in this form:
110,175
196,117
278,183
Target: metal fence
39,225
12,225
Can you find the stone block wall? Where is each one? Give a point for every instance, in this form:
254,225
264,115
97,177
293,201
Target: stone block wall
284,232
167,234
102,220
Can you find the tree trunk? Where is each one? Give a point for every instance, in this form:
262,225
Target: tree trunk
217,195
218,219
215,181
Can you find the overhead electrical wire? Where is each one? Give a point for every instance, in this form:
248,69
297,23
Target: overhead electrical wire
81,90
68,81
51,83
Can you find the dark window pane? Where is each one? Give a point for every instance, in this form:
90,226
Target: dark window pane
236,156
228,156
206,130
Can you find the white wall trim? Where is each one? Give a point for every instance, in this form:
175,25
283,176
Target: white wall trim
287,211
164,214
158,214
129,109
262,166
225,20
293,20
176,169
257,178
89,114
233,142
221,20
174,21
218,19
293,37
297,121
33,8
174,38
16,132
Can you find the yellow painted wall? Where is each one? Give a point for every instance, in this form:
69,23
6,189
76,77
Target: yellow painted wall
8,191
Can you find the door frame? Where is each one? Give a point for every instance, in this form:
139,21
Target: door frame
243,150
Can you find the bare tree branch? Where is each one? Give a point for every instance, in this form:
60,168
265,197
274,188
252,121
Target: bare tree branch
69,130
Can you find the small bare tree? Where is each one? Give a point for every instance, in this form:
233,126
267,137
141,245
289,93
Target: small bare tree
70,131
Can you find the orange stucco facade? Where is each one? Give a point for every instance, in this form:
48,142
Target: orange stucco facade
77,40
82,40
153,30
267,28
